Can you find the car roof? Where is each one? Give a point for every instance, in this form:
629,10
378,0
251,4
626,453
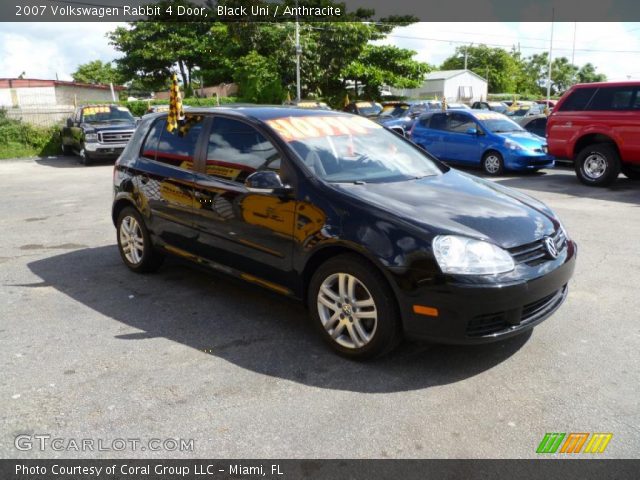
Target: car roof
261,112
626,83
530,118
83,105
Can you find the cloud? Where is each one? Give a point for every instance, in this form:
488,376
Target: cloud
434,42
42,50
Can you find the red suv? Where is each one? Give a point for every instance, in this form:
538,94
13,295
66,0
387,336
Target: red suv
597,125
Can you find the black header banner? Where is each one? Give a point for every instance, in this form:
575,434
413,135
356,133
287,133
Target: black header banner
270,469
316,10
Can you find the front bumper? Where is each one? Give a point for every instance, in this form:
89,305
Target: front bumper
523,160
482,313
104,150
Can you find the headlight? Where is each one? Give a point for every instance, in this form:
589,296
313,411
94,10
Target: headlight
513,145
466,256
90,137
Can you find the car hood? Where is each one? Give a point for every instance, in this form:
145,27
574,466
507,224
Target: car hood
458,203
526,139
101,127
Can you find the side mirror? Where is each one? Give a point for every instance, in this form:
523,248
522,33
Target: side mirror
69,122
267,181
472,131
137,120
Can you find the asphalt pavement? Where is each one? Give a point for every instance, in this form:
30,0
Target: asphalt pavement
91,351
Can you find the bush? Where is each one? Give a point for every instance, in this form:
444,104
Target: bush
139,107
27,139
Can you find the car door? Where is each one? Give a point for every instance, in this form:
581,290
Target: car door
163,178
430,133
248,231
75,131
537,126
462,146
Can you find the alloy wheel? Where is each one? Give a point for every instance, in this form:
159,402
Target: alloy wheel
492,164
131,240
347,310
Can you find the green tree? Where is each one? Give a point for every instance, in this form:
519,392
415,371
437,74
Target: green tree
96,72
385,65
152,49
588,74
498,66
258,79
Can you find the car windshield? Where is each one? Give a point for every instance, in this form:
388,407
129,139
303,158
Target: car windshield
345,150
394,110
369,109
521,112
106,114
501,125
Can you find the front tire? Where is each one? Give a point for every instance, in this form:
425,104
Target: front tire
492,163
134,243
85,159
597,165
354,308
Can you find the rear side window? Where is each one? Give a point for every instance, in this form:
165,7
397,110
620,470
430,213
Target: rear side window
438,121
236,150
612,98
177,147
577,100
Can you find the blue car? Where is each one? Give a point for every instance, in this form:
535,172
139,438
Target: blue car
481,138
400,116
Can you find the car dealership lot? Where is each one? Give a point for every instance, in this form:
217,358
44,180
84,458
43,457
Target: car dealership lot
93,351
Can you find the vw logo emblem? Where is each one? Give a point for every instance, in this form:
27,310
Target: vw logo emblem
550,246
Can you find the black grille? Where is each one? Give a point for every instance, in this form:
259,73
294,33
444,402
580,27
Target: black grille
115,137
535,253
502,322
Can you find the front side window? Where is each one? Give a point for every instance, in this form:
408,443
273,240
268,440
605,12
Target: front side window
237,149
459,123
341,149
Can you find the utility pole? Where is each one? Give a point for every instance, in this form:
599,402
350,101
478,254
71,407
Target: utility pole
298,53
573,51
553,14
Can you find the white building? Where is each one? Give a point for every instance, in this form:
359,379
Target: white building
455,85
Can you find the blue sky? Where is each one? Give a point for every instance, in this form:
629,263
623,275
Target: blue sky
42,50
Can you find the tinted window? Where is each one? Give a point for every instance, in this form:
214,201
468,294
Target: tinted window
236,150
439,121
150,147
577,100
177,147
459,123
612,98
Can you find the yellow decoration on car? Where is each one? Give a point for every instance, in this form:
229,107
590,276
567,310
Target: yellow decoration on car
176,112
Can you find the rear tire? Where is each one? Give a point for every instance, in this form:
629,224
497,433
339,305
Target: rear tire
134,243
492,163
354,308
597,165
631,172
66,149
